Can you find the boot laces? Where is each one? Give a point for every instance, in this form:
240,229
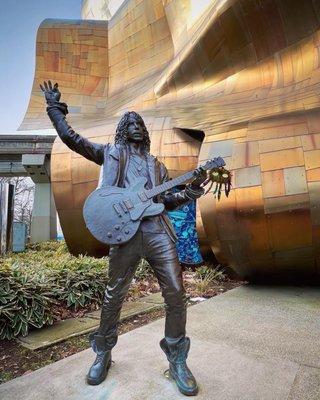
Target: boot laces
100,357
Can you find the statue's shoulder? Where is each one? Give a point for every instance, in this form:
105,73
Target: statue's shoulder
115,149
152,157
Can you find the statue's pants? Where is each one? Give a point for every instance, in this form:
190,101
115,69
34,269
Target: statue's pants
160,251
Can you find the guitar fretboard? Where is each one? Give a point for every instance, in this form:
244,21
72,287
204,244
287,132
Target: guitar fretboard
216,162
169,185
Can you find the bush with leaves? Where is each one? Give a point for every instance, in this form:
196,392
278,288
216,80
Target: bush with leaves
211,273
46,275
143,270
206,275
24,301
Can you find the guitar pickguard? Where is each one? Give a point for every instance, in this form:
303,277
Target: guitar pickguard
138,211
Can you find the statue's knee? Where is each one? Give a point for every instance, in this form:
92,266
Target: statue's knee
115,295
175,298
113,299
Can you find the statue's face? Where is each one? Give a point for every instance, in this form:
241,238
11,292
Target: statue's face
135,131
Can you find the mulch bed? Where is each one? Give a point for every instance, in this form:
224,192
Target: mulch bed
16,360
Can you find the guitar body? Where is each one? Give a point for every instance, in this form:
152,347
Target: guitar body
113,214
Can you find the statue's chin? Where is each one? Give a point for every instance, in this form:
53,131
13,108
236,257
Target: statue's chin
135,140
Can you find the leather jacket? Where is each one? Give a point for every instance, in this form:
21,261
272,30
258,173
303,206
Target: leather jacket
114,161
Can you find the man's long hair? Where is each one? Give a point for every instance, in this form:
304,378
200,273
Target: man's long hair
122,129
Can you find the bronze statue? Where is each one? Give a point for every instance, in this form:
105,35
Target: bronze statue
124,162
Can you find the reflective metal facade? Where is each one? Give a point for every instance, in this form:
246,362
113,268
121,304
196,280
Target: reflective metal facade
245,72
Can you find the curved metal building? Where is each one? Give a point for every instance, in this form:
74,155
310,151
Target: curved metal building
235,78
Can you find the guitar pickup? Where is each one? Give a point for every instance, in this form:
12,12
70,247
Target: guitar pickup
128,204
117,210
124,208
143,196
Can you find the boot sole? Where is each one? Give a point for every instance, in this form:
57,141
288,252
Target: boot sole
169,376
94,382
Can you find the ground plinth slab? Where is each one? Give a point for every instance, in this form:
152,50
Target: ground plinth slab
68,328
155,298
306,385
242,347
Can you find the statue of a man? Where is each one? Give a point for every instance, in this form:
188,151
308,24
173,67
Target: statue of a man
124,161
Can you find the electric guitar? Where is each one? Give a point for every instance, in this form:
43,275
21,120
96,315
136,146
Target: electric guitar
113,214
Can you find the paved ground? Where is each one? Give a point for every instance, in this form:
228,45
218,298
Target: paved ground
251,343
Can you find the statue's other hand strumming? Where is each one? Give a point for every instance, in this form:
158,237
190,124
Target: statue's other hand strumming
52,93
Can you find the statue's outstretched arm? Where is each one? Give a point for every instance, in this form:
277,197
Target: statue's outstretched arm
173,200
57,113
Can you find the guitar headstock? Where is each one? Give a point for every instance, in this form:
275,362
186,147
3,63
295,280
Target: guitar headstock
216,162
219,175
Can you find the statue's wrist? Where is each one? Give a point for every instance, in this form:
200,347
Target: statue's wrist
63,107
194,191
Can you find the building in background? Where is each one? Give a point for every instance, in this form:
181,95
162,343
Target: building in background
232,78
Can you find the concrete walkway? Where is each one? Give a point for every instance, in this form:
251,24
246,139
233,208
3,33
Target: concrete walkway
251,343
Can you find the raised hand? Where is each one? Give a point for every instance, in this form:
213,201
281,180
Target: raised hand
52,93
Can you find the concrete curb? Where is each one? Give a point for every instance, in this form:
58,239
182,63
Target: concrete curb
72,327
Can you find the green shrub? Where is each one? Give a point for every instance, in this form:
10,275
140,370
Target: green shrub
206,276
143,270
211,273
32,282
24,301
46,275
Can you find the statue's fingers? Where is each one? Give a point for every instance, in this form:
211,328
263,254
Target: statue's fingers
206,182
45,85
41,87
55,85
50,85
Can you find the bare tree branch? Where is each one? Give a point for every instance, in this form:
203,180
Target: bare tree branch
23,199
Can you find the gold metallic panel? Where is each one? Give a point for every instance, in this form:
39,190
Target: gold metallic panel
266,146
223,147
202,237
81,191
281,159
313,175
82,171
275,132
312,159
246,177
295,180
314,190
311,142
62,167
277,205
290,229
245,73
273,183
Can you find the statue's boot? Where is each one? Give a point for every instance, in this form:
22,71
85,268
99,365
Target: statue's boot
99,369
178,370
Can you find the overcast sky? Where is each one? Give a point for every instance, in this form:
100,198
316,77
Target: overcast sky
19,21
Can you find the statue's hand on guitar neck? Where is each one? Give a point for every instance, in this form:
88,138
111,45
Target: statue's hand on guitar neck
211,172
201,177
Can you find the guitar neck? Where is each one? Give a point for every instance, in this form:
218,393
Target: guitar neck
169,184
